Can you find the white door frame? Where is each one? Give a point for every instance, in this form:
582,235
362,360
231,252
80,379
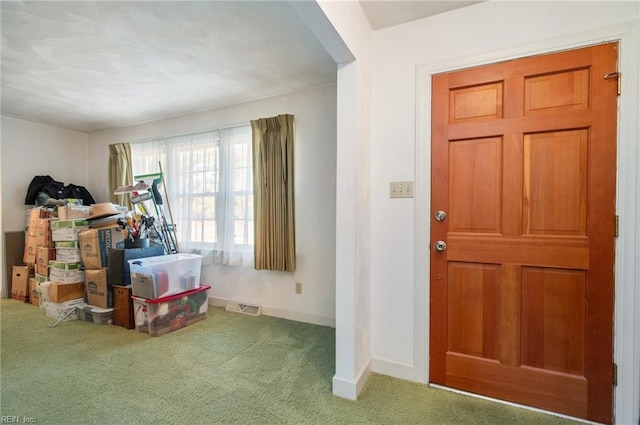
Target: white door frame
627,272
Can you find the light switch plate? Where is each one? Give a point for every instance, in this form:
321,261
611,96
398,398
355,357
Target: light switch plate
401,189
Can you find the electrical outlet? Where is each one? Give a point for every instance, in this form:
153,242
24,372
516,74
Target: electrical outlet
298,287
401,189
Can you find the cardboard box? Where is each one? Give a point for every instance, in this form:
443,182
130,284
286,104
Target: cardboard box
61,292
67,245
62,265
68,230
41,236
95,245
30,250
20,283
34,296
43,256
119,271
62,272
42,288
66,276
67,310
34,215
72,212
68,251
43,232
99,294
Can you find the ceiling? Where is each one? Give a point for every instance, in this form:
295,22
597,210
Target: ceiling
384,14
90,66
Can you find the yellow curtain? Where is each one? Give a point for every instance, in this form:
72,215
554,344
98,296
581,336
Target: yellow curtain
273,201
120,172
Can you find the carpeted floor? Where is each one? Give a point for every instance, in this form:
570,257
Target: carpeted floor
227,369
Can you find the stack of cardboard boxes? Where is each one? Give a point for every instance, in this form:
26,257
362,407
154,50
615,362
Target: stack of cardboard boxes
66,274
69,260
37,248
38,234
94,247
94,250
66,278
74,265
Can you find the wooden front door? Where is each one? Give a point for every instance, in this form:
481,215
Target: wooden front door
524,166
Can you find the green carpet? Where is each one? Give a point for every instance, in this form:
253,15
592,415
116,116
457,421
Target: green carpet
227,369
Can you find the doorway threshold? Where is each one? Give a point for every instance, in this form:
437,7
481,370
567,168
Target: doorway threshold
509,403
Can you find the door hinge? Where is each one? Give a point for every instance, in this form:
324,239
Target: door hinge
618,76
615,375
617,225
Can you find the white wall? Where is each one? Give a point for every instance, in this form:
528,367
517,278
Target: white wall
315,183
28,150
482,33
4,285
353,207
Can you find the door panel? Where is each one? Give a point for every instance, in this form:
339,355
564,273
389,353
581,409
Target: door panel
552,314
555,190
475,180
559,91
473,288
482,102
523,163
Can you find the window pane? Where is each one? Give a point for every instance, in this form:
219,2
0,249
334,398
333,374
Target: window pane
194,166
209,231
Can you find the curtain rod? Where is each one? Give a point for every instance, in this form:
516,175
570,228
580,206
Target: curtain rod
148,139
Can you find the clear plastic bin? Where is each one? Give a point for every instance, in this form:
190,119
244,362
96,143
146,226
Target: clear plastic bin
160,316
164,275
97,315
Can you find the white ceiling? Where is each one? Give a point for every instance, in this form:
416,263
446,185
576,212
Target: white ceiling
93,65
383,14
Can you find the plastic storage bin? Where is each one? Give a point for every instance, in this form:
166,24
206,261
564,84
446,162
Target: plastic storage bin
97,315
164,275
164,315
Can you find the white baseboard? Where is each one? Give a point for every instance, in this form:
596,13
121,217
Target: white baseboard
344,388
218,302
394,369
350,389
363,377
297,316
